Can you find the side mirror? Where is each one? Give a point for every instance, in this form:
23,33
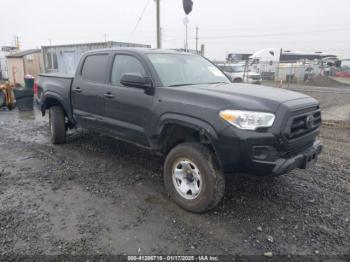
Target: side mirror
138,81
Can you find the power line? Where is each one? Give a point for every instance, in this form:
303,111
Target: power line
262,27
269,35
278,34
139,20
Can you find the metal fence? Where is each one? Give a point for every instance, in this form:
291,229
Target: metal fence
292,72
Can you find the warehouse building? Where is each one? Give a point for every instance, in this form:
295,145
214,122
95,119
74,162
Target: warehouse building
28,62
5,51
65,58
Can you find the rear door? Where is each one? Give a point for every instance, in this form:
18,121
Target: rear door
88,91
127,108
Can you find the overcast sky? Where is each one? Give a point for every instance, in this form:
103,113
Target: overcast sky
224,25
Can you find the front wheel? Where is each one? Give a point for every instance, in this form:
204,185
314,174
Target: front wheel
193,178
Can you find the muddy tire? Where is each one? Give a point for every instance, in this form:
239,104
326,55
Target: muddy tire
193,178
11,106
57,125
2,99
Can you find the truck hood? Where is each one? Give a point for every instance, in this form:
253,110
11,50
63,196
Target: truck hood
236,96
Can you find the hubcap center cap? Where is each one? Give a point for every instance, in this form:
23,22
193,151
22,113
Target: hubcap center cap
189,176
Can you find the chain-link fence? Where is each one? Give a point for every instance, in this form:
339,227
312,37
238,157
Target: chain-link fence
291,71
333,97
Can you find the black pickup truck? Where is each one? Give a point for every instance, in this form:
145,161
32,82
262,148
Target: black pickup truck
184,107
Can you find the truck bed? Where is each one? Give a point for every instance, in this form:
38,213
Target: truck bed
57,86
58,75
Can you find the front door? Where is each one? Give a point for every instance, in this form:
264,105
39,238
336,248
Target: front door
88,91
127,108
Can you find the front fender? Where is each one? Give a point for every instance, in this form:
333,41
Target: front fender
187,121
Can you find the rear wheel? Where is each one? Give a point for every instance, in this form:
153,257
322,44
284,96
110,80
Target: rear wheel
2,99
57,125
237,80
192,177
10,106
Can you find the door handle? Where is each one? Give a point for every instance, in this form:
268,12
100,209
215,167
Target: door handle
78,90
108,95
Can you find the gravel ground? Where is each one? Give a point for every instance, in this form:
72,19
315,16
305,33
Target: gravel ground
95,195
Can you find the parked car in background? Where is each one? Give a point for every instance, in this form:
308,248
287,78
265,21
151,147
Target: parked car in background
345,73
331,61
238,73
345,64
309,73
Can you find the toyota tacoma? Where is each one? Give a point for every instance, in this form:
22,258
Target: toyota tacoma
182,106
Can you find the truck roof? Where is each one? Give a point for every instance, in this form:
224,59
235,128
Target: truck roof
138,50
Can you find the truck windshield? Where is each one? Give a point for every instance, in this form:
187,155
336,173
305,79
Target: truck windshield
182,69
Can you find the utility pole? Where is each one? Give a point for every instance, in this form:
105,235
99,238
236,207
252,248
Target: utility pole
187,37
161,35
105,36
17,43
159,41
197,38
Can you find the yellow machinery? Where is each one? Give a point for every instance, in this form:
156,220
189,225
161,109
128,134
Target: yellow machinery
7,97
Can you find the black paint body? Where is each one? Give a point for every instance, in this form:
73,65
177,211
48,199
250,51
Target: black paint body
140,117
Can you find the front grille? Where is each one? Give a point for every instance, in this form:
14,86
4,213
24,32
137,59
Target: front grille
304,123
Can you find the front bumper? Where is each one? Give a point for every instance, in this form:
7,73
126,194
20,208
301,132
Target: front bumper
284,165
264,153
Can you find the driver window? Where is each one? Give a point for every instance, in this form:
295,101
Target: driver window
125,64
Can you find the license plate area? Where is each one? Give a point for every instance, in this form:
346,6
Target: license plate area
310,157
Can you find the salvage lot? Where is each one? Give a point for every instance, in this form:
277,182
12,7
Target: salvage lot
96,195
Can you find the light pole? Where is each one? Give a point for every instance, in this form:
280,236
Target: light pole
186,22
187,5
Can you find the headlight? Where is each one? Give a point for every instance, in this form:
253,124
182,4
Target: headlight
248,120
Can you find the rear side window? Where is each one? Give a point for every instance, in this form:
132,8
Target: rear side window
95,68
125,64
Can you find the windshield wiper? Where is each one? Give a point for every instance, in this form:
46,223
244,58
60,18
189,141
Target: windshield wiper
214,83
183,85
